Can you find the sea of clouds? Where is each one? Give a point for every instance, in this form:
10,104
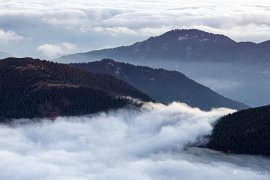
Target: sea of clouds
151,143
44,28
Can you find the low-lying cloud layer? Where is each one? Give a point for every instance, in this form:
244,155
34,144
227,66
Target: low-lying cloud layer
126,144
109,23
56,50
9,36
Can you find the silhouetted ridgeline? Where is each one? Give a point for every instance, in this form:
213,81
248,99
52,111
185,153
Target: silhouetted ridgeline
182,45
33,88
162,85
244,132
234,69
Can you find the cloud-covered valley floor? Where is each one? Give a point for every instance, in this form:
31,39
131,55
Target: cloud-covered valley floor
126,144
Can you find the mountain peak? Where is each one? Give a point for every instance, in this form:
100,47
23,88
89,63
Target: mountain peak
193,34
181,45
107,61
187,32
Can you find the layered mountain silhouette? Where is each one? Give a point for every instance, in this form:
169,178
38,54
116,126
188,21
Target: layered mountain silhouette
183,45
244,132
32,88
162,85
238,70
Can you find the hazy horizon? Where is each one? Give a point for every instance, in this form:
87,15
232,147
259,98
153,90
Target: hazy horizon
48,29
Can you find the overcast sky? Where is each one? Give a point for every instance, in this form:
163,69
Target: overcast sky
47,29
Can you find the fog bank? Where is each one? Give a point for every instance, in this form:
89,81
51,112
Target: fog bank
124,144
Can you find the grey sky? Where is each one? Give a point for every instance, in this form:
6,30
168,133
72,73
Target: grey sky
48,29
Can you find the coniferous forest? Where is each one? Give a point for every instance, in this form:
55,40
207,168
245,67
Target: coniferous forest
32,88
244,132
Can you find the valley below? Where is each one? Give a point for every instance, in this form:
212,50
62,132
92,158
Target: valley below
157,142
247,83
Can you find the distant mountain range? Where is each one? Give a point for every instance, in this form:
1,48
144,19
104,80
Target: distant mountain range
238,70
244,132
32,88
162,85
182,45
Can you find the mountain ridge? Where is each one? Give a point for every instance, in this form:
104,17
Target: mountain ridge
243,132
162,85
32,88
181,45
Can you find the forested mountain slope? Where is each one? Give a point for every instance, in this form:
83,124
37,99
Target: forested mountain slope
245,132
162,85
33,88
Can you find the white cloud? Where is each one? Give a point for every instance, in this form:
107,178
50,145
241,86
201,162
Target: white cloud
9,36
115,31
106,23
121,31
221,84
125,144
55,50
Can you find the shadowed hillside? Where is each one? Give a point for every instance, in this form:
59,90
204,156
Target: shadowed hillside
33,88
244,132
162,85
